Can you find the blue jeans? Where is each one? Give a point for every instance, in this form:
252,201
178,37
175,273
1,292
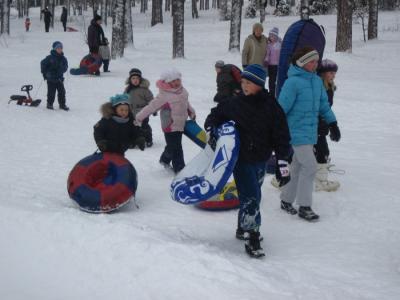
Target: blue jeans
249,178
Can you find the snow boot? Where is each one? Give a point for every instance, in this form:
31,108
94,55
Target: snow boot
50,106
244,235
288,207
149,144
252,245
321,180
64,107
306,213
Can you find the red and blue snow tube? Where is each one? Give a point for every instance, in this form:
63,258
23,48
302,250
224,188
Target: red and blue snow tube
102,182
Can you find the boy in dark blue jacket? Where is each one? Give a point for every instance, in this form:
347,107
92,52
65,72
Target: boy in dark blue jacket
53,68
262,128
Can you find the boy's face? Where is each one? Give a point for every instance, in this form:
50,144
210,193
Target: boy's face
59,50
311,66
135,80
122,110
250,88
175,83
329,76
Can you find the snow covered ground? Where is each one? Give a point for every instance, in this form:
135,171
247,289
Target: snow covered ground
49,249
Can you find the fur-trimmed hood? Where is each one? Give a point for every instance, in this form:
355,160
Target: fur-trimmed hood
144,83
106,110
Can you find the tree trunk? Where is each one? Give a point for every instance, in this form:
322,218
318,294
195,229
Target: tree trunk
156,12
223,10
167,5
128,23
373,19
236,24
52,8
103,11
344,26
5,17
178,33
305,10
195,13
263,4
118,30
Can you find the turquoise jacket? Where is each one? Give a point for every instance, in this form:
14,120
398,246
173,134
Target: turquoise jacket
303,98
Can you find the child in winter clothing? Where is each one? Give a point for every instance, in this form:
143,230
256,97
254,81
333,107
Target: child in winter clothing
27,24
228,81
271,60
262,128
303,98
115,132
327,71
139,96
172,100
53,68
105,53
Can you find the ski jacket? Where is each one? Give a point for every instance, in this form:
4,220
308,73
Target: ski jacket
115,135
227,84
104,51
254,50
261,124
303,98
139,96
54,66
174,107
46,15
273,52
95,35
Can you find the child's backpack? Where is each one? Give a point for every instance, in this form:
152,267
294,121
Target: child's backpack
300,34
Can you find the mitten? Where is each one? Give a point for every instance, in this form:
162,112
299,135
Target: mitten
140,142
212,139
282,172
334,132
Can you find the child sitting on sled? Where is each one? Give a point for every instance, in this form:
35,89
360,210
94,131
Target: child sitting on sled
172,100
115,132
262,128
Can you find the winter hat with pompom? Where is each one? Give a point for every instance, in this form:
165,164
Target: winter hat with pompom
327,65
119,99
170,75
274,31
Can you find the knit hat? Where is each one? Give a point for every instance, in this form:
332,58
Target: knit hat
119,99
306,58
258,25
96,18
219,64
170,75
256,74
56,45
274,31
327,65
135,72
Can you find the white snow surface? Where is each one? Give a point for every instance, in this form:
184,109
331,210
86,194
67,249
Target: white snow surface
49,249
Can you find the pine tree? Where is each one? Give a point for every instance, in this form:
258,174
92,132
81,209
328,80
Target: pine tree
283,8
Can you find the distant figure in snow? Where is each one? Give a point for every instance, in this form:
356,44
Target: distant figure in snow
64,17
47,18
105,53
27,24
95,34
255,47
271,60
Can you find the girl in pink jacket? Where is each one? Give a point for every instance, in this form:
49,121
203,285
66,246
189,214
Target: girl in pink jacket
271,60
172,101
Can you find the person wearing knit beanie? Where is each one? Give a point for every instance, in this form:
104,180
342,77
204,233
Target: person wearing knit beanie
256,74
274,31
170,75
119,99
56,45
255,47
327,65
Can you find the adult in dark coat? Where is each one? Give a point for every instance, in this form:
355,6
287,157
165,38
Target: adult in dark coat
47,18
95,35
64,16
227,84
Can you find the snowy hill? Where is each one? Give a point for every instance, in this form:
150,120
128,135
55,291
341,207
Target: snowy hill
49,249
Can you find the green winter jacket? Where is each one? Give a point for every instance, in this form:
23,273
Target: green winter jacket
254,50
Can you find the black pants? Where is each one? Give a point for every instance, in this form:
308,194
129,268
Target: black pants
52,87
65,26
321,150
272,73
46,26
147,131
106,63
173,151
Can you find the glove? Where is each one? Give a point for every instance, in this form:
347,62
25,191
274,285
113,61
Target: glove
137,123
102,145
140,142
193,117
212,139
282,172
155,114
334,132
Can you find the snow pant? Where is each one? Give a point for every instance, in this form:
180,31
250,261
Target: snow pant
65,26
272,73
249,178
46,26
94,49
321,150
302,174
173,151
147,131
106,63
52,87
